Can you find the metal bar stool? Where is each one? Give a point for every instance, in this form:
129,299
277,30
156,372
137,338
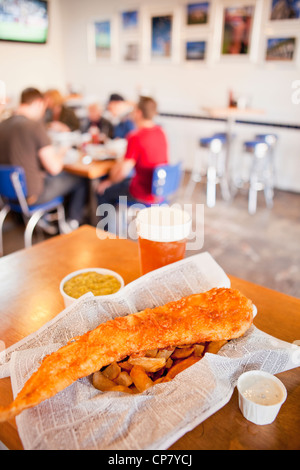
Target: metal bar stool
260,174
271,140
213,170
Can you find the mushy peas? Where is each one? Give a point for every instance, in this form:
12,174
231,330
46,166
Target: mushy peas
98,284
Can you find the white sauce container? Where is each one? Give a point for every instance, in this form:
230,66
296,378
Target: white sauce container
260,396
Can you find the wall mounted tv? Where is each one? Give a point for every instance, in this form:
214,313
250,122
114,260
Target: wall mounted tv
24,21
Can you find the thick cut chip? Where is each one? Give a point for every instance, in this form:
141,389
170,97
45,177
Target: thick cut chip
180,366
140,379
124,379
215,346
149,364
181,353
112,371
101,382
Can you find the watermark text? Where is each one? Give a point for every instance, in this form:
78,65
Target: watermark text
296,93
122,221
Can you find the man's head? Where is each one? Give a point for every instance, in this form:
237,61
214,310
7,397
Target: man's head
32,103
146,109
116,105
53,99
94,112
115,97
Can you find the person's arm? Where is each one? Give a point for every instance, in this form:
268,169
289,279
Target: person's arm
117,174
123,167
51,160
121,170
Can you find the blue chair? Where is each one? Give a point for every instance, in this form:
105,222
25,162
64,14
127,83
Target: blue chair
214,169
166,182
13,193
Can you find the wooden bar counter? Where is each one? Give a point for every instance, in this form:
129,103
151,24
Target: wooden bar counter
30,297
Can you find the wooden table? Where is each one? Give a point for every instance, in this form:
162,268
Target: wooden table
233,112
35,273
93,170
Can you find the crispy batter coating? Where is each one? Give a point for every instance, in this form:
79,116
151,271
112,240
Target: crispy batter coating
219,314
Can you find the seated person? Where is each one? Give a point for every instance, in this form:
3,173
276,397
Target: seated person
95,119
147,148
120,111
24,142
58,116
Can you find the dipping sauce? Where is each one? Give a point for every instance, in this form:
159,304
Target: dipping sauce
98,284
262,391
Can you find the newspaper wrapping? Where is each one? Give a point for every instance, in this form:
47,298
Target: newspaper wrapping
82,417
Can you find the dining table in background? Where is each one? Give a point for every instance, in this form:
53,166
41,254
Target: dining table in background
92,170
233,113
30,279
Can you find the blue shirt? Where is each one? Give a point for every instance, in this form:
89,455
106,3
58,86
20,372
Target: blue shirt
123,128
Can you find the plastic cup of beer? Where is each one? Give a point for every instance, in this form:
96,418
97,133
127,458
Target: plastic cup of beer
162,235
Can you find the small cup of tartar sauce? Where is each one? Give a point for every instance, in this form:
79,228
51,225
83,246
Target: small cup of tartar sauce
260,396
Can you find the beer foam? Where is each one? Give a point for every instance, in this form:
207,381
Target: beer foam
163,224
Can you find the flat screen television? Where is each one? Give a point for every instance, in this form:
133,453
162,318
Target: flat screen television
24,21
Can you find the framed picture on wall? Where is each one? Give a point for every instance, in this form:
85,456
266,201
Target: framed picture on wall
280,49
131,51
195,50
102,39
237,28
129,36
198,13
285,10
161,36
130,20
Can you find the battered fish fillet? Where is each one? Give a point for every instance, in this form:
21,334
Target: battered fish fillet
219,314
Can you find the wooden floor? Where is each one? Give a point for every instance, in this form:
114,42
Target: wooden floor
263,248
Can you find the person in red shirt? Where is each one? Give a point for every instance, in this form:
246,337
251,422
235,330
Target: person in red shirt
147,148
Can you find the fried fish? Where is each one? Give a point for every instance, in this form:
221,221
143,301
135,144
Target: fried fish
218,314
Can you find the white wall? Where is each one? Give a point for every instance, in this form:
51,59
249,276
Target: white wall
178,86
38,65
181,86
